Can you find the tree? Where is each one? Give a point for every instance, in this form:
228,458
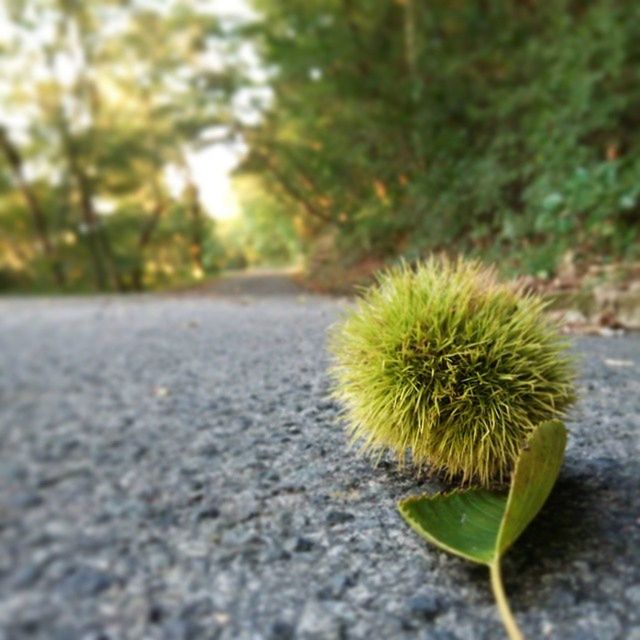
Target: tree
400,127
101,114
14,159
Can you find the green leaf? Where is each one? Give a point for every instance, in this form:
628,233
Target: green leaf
480,525
536,472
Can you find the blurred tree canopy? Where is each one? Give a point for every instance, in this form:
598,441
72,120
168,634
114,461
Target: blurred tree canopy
373,129
101,98
507,129
264,233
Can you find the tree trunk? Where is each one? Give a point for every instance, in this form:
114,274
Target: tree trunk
39,219
88,216
85,93
197,226
146,234
196,213
99,246
150,226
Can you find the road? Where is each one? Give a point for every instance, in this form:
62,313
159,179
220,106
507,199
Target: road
172,468
255,283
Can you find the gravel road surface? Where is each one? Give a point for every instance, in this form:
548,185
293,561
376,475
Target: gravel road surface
172,468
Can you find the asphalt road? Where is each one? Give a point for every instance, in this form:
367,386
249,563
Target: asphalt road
172,468
255,283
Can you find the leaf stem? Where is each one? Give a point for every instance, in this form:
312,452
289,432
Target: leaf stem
506,615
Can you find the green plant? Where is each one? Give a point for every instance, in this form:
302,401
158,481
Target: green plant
446,362
467,373
480,525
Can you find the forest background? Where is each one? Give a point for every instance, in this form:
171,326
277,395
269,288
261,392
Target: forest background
360,132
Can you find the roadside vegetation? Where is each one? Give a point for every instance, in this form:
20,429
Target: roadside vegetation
375,131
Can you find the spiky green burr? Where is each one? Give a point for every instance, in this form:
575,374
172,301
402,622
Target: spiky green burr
446,362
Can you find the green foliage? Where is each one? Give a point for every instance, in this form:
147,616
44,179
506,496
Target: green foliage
507,131
480,525
264,234
444,361
99,100
504,129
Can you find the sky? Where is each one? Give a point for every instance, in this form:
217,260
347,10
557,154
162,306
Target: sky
212,171
212,166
